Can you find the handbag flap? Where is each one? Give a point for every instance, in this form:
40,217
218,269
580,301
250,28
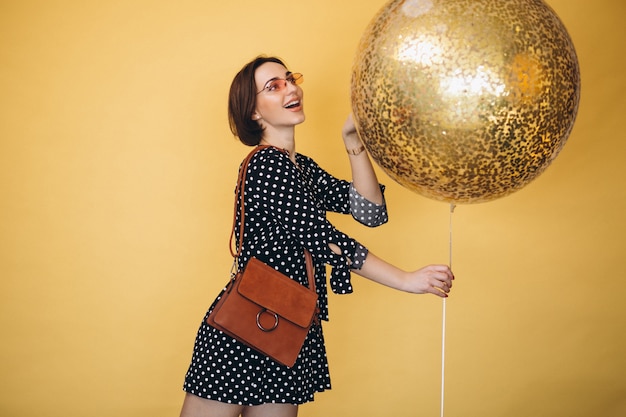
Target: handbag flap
272,290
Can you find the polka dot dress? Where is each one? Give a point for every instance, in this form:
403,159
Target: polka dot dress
286,207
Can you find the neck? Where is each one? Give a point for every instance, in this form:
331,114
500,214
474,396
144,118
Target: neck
282,141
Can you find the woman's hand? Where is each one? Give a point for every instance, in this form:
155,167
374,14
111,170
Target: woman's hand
350,136
432,279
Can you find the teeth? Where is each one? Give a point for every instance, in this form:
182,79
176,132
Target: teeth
292,104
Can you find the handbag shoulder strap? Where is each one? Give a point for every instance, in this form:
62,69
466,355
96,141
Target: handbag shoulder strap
239,198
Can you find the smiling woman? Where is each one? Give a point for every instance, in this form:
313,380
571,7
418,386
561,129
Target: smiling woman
277,95
286,196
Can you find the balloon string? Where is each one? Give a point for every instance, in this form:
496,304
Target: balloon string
443,320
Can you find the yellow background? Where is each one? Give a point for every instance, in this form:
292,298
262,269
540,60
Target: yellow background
116,176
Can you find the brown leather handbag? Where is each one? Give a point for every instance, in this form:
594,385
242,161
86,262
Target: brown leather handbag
263,308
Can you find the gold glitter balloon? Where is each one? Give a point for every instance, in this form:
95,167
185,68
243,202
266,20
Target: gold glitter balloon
465,101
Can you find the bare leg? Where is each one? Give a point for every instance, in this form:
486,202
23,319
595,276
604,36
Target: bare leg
271,410
194,406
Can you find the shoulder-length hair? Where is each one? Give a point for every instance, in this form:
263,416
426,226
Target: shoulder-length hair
242,102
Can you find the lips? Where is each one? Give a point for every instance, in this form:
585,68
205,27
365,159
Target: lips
292,104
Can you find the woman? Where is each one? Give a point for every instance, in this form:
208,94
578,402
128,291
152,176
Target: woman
287,196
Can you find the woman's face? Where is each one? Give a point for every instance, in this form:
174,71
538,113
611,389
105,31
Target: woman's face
277,108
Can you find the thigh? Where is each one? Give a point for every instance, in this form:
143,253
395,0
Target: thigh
194,406
271,410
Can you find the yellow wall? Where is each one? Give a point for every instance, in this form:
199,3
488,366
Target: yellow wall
116,178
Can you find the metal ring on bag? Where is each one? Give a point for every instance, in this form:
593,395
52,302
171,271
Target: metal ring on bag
258,320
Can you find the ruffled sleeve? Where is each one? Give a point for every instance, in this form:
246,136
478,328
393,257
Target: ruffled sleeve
365,212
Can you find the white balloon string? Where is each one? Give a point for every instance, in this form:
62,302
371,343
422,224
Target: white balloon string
443,320
443,356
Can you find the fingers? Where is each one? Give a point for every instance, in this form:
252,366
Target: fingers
432,279
441,268
439,288
440,272
440,280
438,293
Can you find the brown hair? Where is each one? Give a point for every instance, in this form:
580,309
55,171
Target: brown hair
242,102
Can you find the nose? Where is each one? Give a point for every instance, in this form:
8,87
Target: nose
291,87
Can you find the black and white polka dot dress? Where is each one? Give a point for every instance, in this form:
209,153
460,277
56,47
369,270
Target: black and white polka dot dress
286,207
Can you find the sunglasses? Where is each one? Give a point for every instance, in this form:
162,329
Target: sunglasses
279,84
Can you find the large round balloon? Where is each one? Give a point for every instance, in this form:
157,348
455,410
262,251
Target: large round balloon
465,101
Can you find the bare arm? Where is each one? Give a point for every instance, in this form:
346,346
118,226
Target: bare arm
363,174
431,279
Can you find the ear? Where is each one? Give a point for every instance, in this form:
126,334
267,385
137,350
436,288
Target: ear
256,116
